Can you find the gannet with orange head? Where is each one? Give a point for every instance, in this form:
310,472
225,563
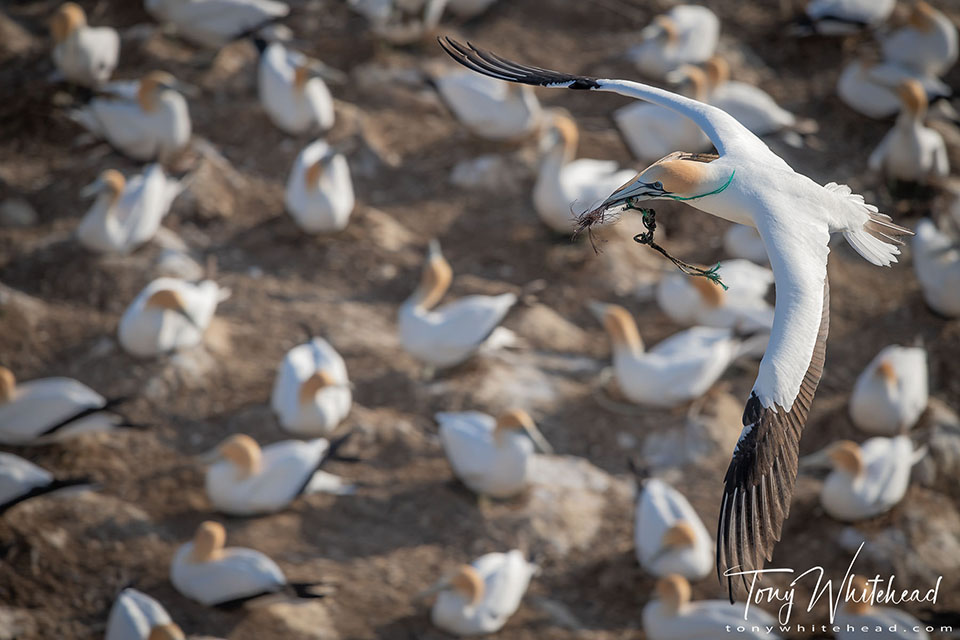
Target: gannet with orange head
870,87
126,213
859,618
927,44
491,455
137,616
936,260
146,119
480,597
678,369
795,216
319,195
448,335
687,34
292,90
668,535
21,480
169,314
892,392
85,55
214,23
53,410
311,394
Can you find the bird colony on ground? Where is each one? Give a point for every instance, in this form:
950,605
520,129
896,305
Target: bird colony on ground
705,140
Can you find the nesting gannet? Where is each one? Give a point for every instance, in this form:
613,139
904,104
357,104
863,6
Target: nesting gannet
751,185
448,335
687,34
52,410
842,17
169,314
911,151
867,479
743,306
146,119
672,616
668,535
936,260
566,187
401,22
85,55
870,88
676,370
480,597
927,43
487,107
217,576
137,616
22,480
319,193
742,241
892,391
292,90
311,394
126,213
490,455
214,23
861,619
651,131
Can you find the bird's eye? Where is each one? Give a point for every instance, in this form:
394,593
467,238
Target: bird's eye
658,185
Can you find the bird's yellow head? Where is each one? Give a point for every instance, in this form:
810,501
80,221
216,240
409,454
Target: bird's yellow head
68,18
208,542
845,455
674,592
8,385
244,453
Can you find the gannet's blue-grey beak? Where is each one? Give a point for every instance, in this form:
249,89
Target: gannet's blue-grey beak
635,190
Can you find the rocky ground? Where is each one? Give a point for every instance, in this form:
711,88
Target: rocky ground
64,561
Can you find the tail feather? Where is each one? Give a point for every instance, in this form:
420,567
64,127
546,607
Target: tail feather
877,239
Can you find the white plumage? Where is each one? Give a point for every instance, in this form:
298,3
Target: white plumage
936,260
927,44
842,17
214,23
311,394
870,89
668,535
911,151
85,55
742,241
22,480
319,194
296,100
135,614
687,34
489,108
891,393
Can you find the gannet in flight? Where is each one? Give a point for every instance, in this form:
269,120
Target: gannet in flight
795,216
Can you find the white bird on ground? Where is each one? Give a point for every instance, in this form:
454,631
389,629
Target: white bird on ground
672,616
401,22
217,576
126,213
83,54
292,90
22,480
651,131
678,369
52,410
696,301
480,597
668,535
145,119
488,108
795,216
565,186
861,619
927,43
448,335
311,394
137,616
169,314
843,17
871,89
687,34
214,23
246,480
319,195
491,455
741,241
867,479
892,391
936,260
911,151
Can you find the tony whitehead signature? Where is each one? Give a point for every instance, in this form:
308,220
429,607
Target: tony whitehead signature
878,591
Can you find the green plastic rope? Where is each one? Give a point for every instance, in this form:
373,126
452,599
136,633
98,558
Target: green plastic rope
704,195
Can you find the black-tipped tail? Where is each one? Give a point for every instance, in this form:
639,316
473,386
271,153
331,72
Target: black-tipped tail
306,590
333,452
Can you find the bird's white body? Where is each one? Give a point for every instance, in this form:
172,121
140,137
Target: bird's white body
660,507
489,108
328,407
146,331
214,23
841,17
133,615
325,205
744,242
40,404
936,260
872,90
142,134
120,225
489,464
237,573
652,132
883,483
505,576
930,49
911,152
295,109
18,477
890,402
753,107
850,625
88,55
697,32
743,306
706,620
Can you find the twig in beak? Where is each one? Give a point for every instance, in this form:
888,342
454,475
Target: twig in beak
589,219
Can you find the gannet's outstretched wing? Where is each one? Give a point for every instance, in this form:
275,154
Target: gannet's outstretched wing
726,134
